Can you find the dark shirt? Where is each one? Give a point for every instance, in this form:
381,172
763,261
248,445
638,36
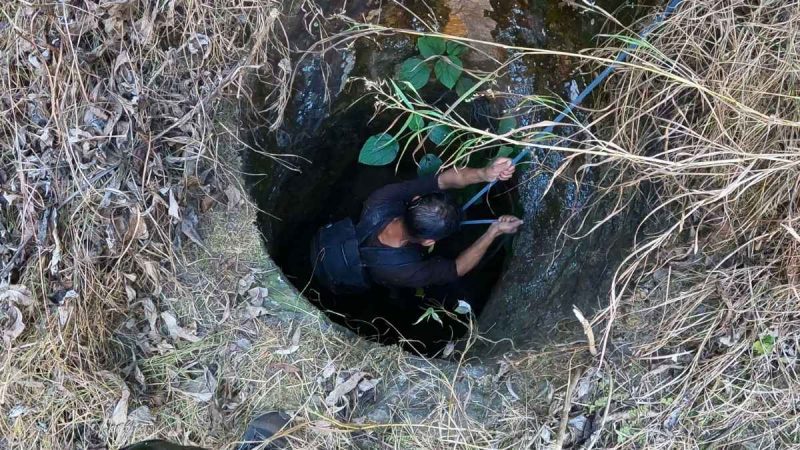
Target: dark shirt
391,201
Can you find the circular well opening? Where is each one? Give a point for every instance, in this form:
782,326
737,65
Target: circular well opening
331,185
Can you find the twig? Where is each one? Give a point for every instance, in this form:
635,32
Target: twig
574,376
587,329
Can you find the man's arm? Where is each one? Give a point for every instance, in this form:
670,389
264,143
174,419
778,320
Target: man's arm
470,257
499,169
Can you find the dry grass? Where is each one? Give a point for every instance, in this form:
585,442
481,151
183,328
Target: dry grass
136,273
115,157
701,336
713,105
109,150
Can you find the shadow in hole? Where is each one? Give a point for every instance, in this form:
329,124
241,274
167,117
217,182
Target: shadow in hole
388,315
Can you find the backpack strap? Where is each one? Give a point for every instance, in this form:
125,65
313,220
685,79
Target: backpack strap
373,220
388,256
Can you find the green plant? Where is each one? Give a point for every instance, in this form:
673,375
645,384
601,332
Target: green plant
415,72
429,164
379,150
441,57
429,313
764,345
447,65
624,433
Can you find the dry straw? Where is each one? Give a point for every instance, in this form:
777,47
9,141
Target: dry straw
111,148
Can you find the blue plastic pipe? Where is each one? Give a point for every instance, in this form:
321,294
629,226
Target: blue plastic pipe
478,222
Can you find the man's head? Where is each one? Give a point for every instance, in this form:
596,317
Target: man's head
432,217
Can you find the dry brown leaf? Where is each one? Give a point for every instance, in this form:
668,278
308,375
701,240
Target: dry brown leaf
295,344
130,293
248,312
174,209
245,282
234,196
257,295
343,388
206,203
120,413
137,227
151,314
142,416
176,331
201,388
330,369
151,270
16,293
139,376
188,227
12,326
64,313
144,28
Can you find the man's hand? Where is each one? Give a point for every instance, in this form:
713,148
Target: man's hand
499,169
506,225
470,257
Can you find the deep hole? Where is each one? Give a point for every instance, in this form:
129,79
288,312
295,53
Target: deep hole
334,186
549,274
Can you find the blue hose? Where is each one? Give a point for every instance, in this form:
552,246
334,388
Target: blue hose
585,93
478,222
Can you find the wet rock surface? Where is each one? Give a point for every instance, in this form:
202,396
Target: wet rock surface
549,271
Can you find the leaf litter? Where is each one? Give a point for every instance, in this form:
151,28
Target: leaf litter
12,324
176,331
354,383
110,152
200,389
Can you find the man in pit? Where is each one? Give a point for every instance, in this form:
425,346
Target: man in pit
419,212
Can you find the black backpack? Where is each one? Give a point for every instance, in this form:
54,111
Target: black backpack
340,261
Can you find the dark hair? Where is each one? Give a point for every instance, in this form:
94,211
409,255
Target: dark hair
432,216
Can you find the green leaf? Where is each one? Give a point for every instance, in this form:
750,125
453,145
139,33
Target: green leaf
463,86
447,70
416,122
431,46
439,133
379,150
764,345
455,48
506,124
598,403
415,71
429,313
399,93
429,164
505,151
624,433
